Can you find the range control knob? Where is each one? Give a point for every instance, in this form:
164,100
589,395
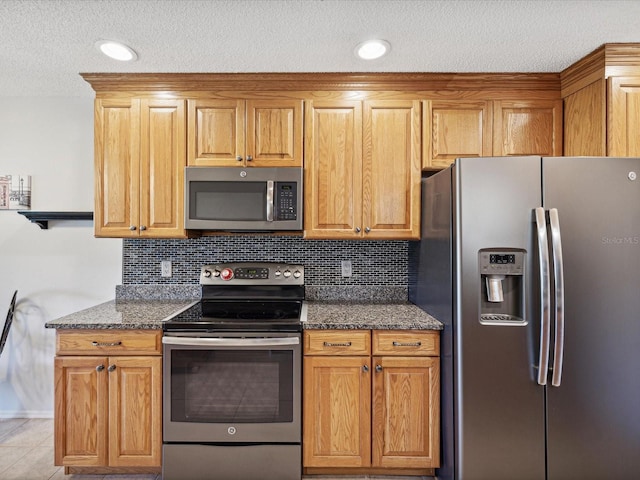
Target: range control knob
207,273
226,274
297,274
287,273
216,273
278,273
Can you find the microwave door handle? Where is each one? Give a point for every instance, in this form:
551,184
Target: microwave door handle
270,200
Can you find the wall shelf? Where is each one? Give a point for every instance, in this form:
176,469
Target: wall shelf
42,218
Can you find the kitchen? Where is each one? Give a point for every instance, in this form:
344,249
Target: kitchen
85,270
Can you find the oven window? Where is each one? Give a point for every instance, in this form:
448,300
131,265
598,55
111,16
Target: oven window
240,201
230,386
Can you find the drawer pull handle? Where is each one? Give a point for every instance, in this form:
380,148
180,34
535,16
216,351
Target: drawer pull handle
378,368
111,368
329,344
99,368
106,344
365,368
400,344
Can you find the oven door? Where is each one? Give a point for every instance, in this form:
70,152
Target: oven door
232,387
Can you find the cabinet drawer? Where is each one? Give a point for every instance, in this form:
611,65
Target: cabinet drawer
108,342
337,342
406,342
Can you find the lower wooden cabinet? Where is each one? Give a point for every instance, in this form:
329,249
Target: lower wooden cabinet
108,399
373,408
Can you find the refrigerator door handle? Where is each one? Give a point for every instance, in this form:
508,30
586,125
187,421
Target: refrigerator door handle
545,295
558,275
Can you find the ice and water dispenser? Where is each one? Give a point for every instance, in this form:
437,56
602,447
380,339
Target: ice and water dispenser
502,286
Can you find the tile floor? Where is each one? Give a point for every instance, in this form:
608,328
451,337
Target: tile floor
26,453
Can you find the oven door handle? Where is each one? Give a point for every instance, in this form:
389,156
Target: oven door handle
231,342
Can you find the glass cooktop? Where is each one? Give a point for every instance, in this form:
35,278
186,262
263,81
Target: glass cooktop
209,315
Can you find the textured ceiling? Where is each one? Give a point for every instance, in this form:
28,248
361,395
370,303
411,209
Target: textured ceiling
44,44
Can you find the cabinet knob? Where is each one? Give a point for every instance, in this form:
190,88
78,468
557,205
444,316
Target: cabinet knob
132,228
357,229
378,368
99,368
239,158
365,368
249,158
111,368
367,230
142,227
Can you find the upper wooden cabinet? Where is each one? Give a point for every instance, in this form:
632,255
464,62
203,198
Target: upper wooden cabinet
251,133
140,157
455,128
363,139
462,128
624,116
333,169
527,127
601,95
362,169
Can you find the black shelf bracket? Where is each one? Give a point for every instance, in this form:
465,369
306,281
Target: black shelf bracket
42,218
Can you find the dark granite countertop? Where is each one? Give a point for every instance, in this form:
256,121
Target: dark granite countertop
125,315
368,316
144,315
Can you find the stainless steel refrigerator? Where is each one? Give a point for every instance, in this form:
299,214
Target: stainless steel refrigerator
533,266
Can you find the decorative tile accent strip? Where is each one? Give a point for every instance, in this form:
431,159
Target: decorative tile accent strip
374,263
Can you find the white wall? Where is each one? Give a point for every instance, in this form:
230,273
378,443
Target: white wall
56,271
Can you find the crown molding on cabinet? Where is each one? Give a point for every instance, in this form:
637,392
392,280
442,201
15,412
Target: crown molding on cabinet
609,60
261,82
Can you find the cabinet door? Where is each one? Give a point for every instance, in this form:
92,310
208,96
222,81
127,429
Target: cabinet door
336,420
391,169
81,413
274,133
455,128
527,128
162,162
624,117
333,169
117,168
216,132
135,411
406,412
585,130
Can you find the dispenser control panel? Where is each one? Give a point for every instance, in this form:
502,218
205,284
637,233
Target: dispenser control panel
501,263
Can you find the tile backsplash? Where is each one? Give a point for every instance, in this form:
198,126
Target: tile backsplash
376,265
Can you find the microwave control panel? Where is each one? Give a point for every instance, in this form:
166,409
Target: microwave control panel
286,204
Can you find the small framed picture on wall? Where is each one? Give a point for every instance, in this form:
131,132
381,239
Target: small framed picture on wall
15,192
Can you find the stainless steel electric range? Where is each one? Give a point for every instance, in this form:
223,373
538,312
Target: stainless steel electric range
232,376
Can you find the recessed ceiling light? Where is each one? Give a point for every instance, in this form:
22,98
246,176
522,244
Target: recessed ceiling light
116,50
372,49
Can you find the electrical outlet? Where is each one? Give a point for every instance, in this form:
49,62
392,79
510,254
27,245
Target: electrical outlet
346,268
165,268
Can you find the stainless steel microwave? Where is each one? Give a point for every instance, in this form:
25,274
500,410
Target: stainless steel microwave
243,199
